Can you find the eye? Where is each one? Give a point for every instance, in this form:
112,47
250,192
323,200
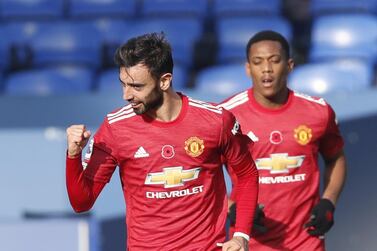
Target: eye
137,87
256,61
276,60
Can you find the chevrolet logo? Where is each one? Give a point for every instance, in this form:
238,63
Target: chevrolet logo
172,176
279,162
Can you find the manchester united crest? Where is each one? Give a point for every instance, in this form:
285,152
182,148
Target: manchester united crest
303,134
194,146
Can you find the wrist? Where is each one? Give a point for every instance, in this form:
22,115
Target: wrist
333,202
243,235
329,203
73,155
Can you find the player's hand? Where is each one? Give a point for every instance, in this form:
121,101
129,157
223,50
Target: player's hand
259,216
321,219
232,212
237,243
77,138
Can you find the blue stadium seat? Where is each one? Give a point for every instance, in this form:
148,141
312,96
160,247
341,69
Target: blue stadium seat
174,8
31,9
66,42
108,81
180,77
344,36
50,81
102,8
324,7
182,33
246,7
329,77
14,43
111,32
114,32
4,48
223,80
21,32
18,36
234,33
1,80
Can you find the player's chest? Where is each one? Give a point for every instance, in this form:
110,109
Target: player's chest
277,132
164,147
283,145
169,159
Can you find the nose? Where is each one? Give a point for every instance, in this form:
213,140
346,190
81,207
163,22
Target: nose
267,67
127,93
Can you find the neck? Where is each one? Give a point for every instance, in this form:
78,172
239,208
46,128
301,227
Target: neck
170,108
273,102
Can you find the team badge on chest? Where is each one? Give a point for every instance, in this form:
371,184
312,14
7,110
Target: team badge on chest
303,134
194,146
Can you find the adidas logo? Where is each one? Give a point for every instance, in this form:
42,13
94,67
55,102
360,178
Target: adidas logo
141,153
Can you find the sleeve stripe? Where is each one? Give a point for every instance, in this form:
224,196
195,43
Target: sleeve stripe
203,103
214,109
234,104
236,100
121,114
118,112
320,101
112,120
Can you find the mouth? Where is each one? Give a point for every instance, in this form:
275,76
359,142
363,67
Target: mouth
135,105
267,81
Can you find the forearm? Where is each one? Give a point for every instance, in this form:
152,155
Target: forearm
82,192
335,176
246,191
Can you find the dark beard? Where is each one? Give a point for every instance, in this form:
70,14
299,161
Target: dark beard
153,101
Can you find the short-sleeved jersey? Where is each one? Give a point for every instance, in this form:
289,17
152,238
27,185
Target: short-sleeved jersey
171,173
287,141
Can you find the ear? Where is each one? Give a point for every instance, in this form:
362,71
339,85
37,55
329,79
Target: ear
165,81
291,64
247,69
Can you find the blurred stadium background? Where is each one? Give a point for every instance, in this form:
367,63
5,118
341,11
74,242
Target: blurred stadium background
56,69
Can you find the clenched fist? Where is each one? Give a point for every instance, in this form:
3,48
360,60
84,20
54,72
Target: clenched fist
77,138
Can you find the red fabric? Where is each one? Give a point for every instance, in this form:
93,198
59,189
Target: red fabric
287,143
82,192
166,210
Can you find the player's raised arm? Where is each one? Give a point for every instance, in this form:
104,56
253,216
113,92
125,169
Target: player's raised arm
82,191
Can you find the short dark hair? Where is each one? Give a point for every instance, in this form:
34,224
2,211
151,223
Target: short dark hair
269,35
151,50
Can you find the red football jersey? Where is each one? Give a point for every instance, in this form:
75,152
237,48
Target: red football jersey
287,141
171,174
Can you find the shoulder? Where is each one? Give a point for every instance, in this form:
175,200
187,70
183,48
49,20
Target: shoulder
210,115
123,113
307,99
235,101
204,107
313,105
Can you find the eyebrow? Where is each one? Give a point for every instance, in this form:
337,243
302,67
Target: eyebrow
269,56
131,83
